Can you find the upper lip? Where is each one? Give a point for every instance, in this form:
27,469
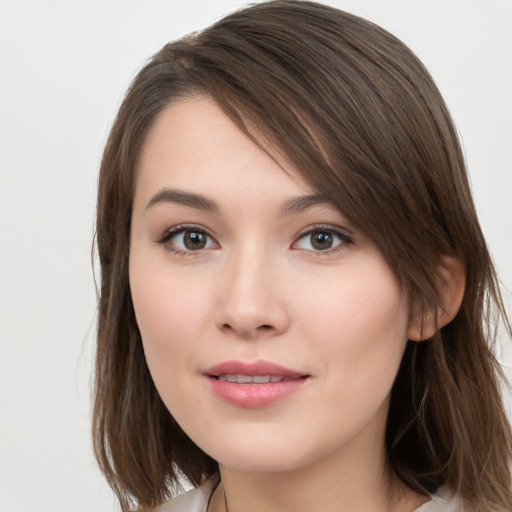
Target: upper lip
256,368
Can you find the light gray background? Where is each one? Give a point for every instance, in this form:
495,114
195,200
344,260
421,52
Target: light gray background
63,69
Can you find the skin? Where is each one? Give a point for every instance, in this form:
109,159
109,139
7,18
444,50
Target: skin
260,290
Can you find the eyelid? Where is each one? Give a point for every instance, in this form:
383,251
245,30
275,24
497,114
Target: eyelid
166,236
345,238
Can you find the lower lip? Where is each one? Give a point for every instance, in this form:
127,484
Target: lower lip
255,395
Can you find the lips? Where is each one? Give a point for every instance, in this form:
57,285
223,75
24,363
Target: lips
254,385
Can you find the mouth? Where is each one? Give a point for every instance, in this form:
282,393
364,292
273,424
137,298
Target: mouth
254,385
251,379
259,372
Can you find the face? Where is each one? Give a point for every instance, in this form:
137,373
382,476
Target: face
273,328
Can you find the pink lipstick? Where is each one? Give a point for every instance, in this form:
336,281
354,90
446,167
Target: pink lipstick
253,385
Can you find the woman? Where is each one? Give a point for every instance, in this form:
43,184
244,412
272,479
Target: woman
297,302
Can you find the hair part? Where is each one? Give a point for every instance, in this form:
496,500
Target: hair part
360,118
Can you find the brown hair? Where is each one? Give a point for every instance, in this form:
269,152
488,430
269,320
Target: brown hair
361,119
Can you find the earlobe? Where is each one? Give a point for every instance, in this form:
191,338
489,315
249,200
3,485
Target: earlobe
424,324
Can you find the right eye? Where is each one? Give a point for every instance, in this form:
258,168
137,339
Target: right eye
187,239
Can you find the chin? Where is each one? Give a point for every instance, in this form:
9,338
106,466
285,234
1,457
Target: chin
261,463
264,453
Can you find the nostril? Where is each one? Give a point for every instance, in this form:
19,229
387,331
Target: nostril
261,330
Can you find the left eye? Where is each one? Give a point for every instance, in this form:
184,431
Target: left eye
321,240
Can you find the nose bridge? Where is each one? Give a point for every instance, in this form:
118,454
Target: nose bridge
252,303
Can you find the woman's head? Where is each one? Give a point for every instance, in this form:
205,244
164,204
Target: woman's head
234,262
352,112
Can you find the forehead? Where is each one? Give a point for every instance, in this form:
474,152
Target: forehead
194,146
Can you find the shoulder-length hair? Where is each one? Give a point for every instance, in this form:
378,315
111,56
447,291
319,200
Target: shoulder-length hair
361,119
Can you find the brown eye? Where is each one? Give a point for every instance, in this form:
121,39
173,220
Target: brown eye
194,240
322,240
184,239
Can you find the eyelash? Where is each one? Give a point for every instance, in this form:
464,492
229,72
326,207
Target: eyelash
177,230
165,238
345,240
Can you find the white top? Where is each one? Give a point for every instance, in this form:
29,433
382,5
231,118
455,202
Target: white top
196,500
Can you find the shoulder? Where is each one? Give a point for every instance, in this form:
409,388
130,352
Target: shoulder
444,501
195,500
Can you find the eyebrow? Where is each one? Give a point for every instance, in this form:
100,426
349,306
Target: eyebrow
200,202
299,204
197,201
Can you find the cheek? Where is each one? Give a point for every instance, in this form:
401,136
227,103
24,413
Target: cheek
356,329
170,309
359,321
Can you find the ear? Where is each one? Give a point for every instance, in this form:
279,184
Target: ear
422,325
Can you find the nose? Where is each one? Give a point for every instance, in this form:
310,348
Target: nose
253,302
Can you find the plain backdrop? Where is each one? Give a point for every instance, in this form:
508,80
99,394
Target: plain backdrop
64,67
